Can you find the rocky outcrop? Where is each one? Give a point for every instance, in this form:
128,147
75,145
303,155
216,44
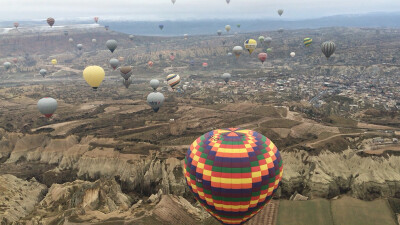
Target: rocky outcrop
18,197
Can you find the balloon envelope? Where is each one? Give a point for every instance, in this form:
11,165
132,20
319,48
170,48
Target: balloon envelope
262,57
7,65
50,21
54,61
250,45
226,77
161,26
16,24
155,100
227,28
280,12
127,82
150,63
233,173
96,19
43,72
219,32
47,106
237,50
307,42
173,80
79,46
114,63
94,40
328,48
112,45
94,76
292,54
154,84
126,72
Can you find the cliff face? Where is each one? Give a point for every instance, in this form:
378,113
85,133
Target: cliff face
98,178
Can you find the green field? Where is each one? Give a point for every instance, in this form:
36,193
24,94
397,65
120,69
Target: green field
313,212
344,211
357,212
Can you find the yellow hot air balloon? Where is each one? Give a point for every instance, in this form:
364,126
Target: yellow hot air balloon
94,76
54,61
250,45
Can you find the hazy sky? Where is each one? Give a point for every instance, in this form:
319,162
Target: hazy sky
187,9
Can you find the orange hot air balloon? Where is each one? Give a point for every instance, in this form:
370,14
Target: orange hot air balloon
150,63
50,21
262,57
96,19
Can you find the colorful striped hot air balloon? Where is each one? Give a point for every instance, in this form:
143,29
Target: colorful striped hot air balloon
173,80
307,42
233,173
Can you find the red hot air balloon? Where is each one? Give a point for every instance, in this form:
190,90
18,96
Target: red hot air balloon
262,56
150,63
205,65
96,19
233,173
16,24
50,21
15,60
172,57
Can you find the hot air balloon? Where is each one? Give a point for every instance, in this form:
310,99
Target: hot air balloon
186,36
106,27
54,62
50,21
126,72
172,57
223,42
47,106
79,46
15,60
112,45
71,40
233,173
173,1
268,40
94,40
250,45
307,42
280,30
65,32
173,80
7,65
155,100
161,26
238,25
328,48
219,32
262,57
154,84
229,54
280,12
226,77
96,19
16,25
114,63
227,1
261,39
237,50
131,37
121,58
227,28
205,65
127,82
269,50
150,63
94,76
43,72
292,54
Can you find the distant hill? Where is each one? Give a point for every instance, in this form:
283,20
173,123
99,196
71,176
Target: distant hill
206,27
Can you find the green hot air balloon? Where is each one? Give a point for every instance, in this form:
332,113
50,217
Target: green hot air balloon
328,48
307,41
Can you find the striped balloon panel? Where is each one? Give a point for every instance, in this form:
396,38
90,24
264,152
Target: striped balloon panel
328,48
233,173
307,41
173,80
